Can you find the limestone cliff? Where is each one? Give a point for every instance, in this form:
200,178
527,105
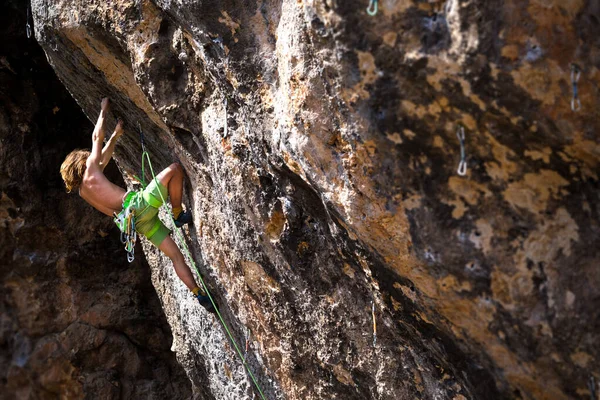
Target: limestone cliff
321,150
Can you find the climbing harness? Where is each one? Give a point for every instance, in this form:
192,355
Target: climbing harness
575,74
372,9
462,165
374,324
125,220
27,26
189,256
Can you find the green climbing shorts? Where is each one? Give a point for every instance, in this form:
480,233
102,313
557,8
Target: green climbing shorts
145,203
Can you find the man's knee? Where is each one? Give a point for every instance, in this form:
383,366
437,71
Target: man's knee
176,167
177,257
171,171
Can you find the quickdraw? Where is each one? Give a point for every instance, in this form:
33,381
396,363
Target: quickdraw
28,26
462,165
372,9
575,74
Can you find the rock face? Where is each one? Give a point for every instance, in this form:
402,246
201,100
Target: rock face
321,150
75,319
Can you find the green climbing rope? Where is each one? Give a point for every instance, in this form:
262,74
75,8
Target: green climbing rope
142,179
187,252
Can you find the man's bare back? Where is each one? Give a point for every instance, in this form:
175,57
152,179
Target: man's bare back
99,192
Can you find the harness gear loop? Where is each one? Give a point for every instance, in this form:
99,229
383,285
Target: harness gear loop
191,259
462,165
575,74
131,238
125,220
372,9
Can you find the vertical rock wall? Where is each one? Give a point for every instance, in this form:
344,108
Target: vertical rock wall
76,321
321,150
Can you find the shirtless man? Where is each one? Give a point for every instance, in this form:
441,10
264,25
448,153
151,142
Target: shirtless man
84,170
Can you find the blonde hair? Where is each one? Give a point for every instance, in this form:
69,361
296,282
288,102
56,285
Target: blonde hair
73,168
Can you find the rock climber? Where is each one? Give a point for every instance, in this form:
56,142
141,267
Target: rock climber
84,170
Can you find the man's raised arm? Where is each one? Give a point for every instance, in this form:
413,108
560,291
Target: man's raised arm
98,135
109,147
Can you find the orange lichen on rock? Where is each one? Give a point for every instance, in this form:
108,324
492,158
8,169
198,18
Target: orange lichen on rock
543,154
258,280
230,23
482,236
275,225
468,190
459,207
541,84
535,190
588,153
343,375
502,167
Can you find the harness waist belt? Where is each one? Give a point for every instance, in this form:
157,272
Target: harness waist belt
127,200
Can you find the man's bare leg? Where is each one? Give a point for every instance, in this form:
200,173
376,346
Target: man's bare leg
172,178
169,247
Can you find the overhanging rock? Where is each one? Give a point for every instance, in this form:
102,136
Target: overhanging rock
321,150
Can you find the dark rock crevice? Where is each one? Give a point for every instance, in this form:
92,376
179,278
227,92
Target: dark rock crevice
70,303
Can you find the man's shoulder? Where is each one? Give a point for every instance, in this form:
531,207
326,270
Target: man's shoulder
93,163
93,170
93,177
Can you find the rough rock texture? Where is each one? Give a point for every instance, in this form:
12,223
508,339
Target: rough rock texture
321,150
76,321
